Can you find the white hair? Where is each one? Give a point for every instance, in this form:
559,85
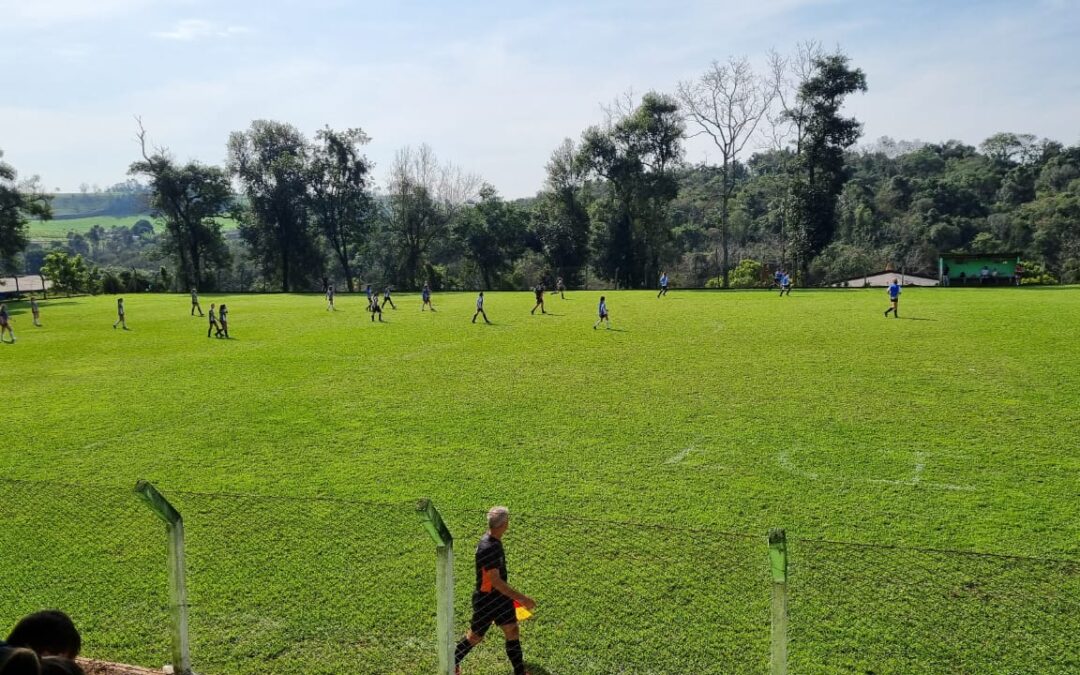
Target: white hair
497,516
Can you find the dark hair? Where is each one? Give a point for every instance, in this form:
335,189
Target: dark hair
58,665
49,632
20,662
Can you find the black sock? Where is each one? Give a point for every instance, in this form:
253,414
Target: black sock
517,658
463,648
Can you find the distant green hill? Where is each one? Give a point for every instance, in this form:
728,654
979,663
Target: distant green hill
78,212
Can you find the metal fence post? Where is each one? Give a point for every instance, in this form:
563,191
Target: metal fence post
444,582
778,565
178,607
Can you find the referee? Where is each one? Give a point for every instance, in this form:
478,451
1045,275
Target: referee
493,599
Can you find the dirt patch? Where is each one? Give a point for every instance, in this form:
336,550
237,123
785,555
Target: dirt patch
93,667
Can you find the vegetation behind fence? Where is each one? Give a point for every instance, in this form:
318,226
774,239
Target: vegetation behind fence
327,586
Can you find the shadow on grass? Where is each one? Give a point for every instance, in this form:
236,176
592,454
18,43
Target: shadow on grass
537,669
915,318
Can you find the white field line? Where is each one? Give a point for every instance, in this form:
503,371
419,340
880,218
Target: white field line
680,455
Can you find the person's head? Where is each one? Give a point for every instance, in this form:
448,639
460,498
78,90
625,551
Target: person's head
58,665
223,306
212,305
20,661
3,308
49,633
601,298
895,282
481,294
119,301
498,520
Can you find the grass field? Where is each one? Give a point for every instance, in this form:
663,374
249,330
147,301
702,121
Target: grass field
953,427
46,230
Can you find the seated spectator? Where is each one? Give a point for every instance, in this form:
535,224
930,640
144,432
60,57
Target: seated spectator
48,633
58,665
19,662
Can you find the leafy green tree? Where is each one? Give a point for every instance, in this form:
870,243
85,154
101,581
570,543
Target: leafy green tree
635,154
339,197
270,161
189,199
559,226
492,234
827,136
66,272
747,274
19,203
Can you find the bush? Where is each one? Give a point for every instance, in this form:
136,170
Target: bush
747,274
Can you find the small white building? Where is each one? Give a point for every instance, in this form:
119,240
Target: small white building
883,279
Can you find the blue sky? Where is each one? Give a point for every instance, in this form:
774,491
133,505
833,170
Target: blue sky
492,86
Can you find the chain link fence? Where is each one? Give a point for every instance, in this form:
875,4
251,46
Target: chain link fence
94,552
857,608
302,585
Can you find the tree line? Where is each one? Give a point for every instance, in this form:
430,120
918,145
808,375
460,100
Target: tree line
789,189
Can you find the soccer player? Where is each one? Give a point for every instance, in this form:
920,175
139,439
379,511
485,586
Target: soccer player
480,308
560,288
5,324
894,299
493,598
425,298
223,317
214,327
375,308
777,278
35,311
539,290
603,314
785,284
195,302
663,284
330,298
386,299
120,320
367,289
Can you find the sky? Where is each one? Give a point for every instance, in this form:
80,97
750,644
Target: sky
492,87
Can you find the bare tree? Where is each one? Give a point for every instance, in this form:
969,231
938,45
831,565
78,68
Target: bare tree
727,103
787,119
424,198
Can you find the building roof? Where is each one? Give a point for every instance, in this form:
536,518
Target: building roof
882,279
978,256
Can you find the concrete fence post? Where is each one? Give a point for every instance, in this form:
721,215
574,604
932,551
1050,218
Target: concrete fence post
444,583
778,564
178,607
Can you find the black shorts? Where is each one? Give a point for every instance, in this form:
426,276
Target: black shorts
491,608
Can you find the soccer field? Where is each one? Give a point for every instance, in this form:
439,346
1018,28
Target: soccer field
953,427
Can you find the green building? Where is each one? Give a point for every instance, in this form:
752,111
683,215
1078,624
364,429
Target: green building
980,269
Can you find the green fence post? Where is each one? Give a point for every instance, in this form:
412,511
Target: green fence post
174,525
444,582
778,564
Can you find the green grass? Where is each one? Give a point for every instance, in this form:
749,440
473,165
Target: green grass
952,427
47,230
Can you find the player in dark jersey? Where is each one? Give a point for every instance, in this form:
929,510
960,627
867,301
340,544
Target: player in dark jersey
493,598
480,308
386,299
5,324
374,308
539,290
223,317
213,327
425,298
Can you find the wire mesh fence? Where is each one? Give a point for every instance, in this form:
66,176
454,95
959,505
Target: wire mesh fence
291,585
621,598
93,552
856,608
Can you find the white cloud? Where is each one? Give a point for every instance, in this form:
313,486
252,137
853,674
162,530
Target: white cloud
189,30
